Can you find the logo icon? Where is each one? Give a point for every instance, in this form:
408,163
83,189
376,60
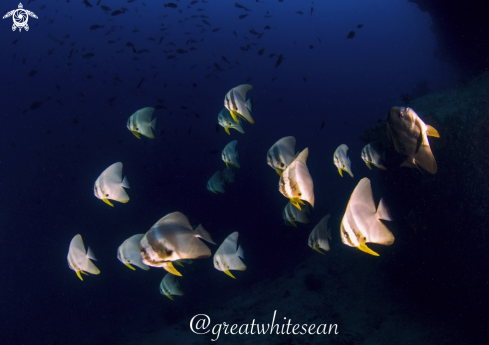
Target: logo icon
20,17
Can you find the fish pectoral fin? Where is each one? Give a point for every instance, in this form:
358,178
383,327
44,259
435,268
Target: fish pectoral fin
79,275
169,267
107,202
368,165
179,263
233,115
293,223
229,274
341,173
136,134
227,130
227,165
317,250
85,273
363,247
279,172
169,296
129,265
213,191
431,132
350,173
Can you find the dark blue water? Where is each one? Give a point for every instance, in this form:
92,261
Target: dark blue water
60,131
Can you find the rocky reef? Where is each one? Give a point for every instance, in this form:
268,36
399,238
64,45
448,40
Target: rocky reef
446,213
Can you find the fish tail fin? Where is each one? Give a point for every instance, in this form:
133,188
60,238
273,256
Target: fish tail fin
90,254
240,252
383,211
431,132
125,182
154,123
249,104
202,233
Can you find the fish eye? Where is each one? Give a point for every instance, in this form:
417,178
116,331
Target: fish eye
137,129
300,194
106,195
281,165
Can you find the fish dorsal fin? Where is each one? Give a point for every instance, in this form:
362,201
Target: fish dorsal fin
302,157
77,246
113,172
232,146
242,90
362,195
176,218
144,115
430,131
383,211
90,254
202,233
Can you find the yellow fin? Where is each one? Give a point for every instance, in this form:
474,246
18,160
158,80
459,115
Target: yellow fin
129,265
169,296
107,202
350,173
229,274
279,172
363,247
430,131
79,275
295,202
293,223
136,134
339,170
84,273
227,165
179,263
213,191
169,267
317,249
233,115
368,165
227,130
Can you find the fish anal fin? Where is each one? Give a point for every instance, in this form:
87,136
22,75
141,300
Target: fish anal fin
279,172
79,275
431,132
169,267
129,265
107,202
293,223
136,134
295,202
318,250
169,296
363,247
229,274
341,173
233,115
368,165
227,130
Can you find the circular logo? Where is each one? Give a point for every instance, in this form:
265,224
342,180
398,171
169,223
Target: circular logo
20,17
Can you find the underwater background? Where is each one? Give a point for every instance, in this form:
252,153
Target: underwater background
70,83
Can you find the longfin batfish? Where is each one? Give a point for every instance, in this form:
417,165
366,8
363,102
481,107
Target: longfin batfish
128,253
371,155
227,256
216,183
318,239
226,120
234,101
170,286
140,123
172,238
341,160
230,155
410,137
110,185
281,154
296,182
79,259
362,222
292,214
